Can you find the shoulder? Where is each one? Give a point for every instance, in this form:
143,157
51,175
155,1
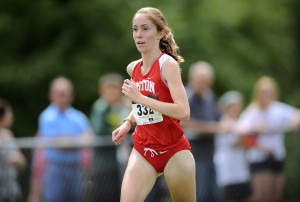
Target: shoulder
6,134
78,116
209,96
47,113
99,105
130,66
171,64
279,104
167,61
169,67
76,112
250,111
282,107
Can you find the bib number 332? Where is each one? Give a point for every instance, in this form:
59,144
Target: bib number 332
144,115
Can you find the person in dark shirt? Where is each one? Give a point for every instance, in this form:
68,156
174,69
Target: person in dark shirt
201,128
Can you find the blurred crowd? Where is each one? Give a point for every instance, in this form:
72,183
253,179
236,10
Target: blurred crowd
239,149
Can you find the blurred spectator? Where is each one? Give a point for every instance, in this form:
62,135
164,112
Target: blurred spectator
233,175
269,119
61,124
202,127
108,112
39,164
11,158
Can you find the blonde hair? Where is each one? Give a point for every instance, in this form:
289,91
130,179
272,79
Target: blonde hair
264,81
167,44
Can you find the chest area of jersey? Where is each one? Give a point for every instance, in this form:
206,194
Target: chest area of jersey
149,83
142,114
146,86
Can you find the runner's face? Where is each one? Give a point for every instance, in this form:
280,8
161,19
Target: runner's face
145,34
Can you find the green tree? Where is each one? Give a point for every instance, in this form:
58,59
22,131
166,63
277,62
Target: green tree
84,39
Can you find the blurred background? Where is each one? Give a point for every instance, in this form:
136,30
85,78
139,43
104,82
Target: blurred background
82,40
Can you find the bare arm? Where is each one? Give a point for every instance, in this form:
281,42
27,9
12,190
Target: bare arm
209,127
203,127
171,73
121,131
15,157
65,142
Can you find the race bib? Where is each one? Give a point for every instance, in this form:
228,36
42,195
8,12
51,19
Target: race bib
144,115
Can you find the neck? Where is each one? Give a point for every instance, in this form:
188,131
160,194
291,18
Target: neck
61,108
150,57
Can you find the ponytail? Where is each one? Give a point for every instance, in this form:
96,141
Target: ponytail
168,45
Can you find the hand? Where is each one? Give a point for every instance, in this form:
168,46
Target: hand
118,134
226,126
259,128
16,159
130,89
191,125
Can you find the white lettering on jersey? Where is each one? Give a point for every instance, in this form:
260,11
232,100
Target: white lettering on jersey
146,85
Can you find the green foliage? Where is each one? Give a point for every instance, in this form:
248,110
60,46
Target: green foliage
291,192
84,39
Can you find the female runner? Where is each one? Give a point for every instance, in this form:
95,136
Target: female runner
159,104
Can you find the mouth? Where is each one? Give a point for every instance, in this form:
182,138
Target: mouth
140,43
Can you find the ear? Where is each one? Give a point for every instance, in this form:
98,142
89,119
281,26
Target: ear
161,34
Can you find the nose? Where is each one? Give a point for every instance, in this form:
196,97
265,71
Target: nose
139,34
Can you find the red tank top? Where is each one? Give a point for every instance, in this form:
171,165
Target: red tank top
164,133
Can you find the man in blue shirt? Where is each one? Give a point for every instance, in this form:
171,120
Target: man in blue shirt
61,123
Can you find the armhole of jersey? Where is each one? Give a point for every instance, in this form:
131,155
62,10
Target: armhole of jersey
162,60
134,65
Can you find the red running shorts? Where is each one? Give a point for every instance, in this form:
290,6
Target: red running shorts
158,157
